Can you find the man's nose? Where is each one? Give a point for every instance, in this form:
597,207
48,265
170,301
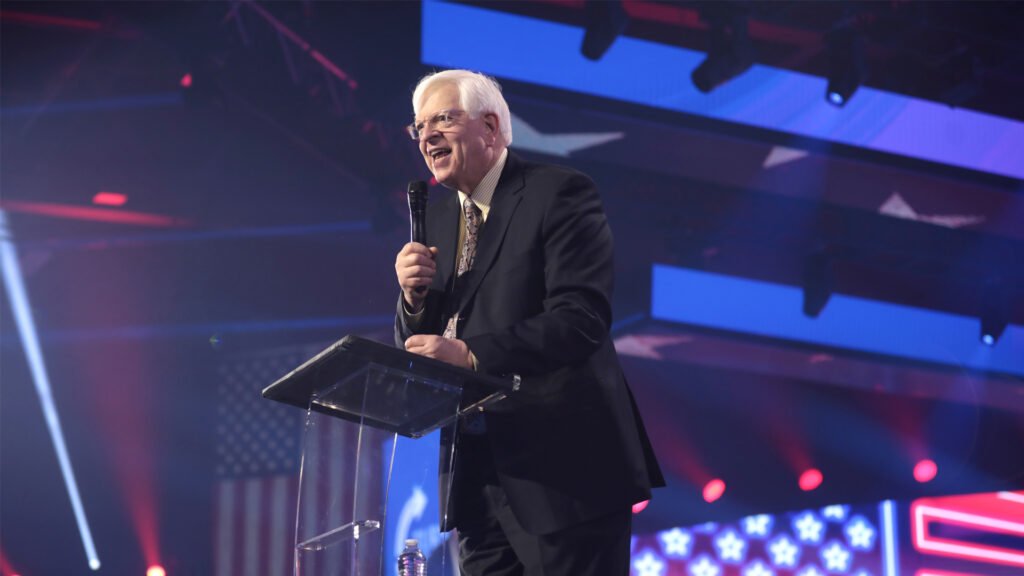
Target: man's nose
430,133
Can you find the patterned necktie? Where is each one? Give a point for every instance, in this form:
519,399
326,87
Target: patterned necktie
473,219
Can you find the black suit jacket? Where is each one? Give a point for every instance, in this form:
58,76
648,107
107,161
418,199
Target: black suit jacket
569,446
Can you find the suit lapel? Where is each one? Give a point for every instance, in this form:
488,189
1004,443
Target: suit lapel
447,242
503,204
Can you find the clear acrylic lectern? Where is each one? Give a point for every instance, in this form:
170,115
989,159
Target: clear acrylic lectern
360,397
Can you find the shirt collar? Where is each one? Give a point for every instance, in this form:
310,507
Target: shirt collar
485,189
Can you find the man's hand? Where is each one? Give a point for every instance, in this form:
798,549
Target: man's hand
415,267
447,350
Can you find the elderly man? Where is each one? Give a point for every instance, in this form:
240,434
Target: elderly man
518,274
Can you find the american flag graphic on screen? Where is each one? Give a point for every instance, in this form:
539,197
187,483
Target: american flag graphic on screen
832,540
258,452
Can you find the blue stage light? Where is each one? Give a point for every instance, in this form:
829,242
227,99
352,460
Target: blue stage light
30,341
836,98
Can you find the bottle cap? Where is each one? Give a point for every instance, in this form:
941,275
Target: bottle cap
412,542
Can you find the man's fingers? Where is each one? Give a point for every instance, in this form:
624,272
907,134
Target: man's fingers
417,343
418,249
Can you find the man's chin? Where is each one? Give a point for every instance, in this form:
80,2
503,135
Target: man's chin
446,181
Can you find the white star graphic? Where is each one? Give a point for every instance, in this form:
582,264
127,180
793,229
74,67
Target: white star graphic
784,552
835,512
809,528
859,534
704,567
648,345
676,542
730,546
897,207
810,570
758,568
835,557
529,138
760,525
781,155
648,565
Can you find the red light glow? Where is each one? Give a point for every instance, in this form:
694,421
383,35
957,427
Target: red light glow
925,471
90,213
639,506
186,80
810,480
156,571
713,490
47,20
109,199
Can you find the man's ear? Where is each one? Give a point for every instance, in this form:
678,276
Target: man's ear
491,123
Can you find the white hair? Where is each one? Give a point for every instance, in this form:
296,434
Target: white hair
479,94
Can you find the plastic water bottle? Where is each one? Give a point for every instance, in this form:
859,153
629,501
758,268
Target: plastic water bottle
412,562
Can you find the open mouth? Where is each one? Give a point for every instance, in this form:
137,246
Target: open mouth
440,153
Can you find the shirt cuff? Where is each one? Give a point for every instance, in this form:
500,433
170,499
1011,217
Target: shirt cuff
412,320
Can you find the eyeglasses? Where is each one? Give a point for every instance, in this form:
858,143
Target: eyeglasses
441,121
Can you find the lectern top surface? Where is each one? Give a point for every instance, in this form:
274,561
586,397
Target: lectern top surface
351,356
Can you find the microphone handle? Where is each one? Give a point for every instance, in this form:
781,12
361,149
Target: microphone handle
417,219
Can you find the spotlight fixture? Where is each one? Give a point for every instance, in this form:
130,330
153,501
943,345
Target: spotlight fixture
713,490
925,471
810,479
846,65
730,52
995,312
606,19
817,283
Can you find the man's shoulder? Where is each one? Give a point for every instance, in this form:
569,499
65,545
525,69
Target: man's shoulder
549,173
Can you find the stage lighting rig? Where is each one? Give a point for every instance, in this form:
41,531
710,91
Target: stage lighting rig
605,21
847,68
730,52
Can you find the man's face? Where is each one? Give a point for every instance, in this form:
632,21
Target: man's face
459,156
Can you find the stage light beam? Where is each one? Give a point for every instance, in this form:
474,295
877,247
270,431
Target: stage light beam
30,341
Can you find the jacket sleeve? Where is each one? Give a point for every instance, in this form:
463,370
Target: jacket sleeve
425,323
578,272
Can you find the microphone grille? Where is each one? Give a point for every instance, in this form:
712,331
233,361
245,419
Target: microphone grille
417,195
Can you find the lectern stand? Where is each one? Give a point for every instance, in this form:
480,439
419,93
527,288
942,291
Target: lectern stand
360,396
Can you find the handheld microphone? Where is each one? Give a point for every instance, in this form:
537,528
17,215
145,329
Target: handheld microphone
418,216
